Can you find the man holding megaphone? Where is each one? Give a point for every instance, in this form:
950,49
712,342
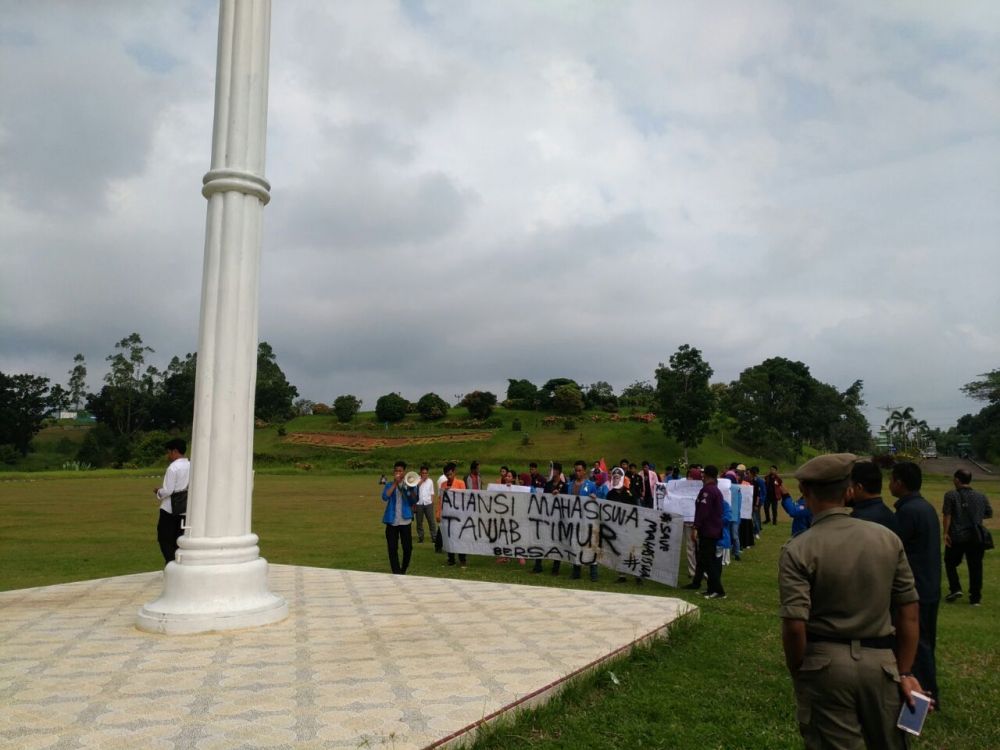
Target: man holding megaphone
399,495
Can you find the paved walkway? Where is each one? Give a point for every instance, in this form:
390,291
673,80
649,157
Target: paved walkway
363,660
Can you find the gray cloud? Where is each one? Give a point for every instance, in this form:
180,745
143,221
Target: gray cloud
468,193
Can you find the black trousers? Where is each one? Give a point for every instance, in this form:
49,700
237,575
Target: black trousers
393,536
713,567
168,531
709,565
972,551
771,511
924,667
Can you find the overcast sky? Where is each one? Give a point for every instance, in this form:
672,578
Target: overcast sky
469,191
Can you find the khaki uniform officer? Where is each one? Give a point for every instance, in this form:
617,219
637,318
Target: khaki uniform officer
839,581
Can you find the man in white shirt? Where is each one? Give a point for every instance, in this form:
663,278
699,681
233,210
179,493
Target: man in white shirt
173,498
425,504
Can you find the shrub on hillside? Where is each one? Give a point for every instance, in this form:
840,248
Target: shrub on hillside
479,403
567,399
432,407
345,407
516,425
391,407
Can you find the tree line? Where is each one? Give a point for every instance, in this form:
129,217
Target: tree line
136,409
773,408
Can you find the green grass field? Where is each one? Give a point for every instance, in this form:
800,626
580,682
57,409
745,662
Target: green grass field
718,684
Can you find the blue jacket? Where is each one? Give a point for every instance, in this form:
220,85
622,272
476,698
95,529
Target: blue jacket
587,489
761,489
391,495
801,515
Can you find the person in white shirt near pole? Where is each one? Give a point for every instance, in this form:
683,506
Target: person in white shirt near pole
425,505
173,498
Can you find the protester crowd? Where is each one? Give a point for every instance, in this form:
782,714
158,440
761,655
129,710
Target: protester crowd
859,593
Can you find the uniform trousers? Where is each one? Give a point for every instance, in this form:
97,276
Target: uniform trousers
847,697
972,551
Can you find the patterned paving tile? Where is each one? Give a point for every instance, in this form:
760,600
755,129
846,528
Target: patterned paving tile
363,660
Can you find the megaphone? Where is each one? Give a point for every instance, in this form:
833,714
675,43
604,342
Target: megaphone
412,479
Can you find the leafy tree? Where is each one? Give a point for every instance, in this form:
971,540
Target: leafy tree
274,395
600,395
982,430
173,402
567,399
547,392
431,406
23,405
390,408
125,401
521,394
779,406
479,403
345,407
102,446
303,407
641,394
851,433
686,400
987,389
78,381
320,408
59,398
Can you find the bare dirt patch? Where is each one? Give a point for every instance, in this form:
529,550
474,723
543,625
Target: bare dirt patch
353,442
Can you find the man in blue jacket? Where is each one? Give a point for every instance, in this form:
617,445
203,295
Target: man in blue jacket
398,516
581,486
798,511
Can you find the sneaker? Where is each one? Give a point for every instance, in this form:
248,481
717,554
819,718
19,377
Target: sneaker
975,604
621,579
953,596
715,595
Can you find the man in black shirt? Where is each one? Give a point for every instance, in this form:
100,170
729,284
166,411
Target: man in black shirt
964,510
555,486
920,532
866,494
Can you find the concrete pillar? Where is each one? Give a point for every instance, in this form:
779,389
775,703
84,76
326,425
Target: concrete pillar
219,580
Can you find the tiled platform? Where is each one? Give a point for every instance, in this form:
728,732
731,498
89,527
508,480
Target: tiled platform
364,660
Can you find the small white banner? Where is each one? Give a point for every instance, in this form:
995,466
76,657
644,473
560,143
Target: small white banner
580,530
677,496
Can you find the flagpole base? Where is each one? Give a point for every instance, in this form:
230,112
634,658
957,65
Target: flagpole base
213,597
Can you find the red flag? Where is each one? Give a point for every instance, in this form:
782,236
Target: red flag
602,465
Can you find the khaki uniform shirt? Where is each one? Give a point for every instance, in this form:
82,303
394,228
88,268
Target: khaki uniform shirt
843,575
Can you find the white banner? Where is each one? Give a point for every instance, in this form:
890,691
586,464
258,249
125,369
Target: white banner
580,530
746,501
677,496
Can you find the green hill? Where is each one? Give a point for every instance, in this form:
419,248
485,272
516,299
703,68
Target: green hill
542,437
